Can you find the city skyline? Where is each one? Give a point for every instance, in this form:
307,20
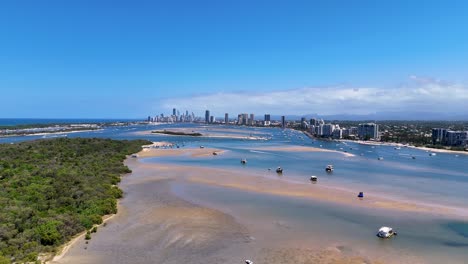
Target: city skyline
95,60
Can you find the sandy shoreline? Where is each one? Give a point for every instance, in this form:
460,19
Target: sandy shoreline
373,143
204,134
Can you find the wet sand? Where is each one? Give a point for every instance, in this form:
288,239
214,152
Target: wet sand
193,152
154,225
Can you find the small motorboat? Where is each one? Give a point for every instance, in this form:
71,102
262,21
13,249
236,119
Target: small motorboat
361,195
215,153
202,147
248,261
329,168
313,178
432,154
134,155
380,158
279,170
243,161
386,232
413,157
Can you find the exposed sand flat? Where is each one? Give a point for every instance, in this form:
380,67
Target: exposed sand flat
255,183
303,149
194,152
153,225
304,190
205,133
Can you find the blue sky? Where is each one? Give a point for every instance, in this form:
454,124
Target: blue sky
135,58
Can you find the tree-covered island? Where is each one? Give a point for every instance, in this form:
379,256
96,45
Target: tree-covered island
51,190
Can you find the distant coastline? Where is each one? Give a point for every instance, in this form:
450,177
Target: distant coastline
393,144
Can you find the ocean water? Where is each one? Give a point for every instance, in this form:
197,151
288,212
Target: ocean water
29,121
440,179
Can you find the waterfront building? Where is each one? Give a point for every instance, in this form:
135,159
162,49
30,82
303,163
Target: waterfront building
304,124
239,119
368,131
226,118
173,111
252,120
337,133
212,119
345,132
267,120
313,122
312,129
207,116
283,121
319,130
245,118
328,130
456,138
438,136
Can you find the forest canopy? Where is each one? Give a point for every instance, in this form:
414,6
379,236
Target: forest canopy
53,189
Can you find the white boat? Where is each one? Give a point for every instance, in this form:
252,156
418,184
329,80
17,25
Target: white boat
380,158
386,232
313,178
329,168
432,154
279,170
243,161
248,261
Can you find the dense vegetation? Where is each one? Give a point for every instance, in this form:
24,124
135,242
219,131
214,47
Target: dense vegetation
51,190
177,133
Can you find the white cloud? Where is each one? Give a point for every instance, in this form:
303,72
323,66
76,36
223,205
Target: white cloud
420,94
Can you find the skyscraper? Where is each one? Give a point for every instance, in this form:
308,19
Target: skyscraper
283,121
173,111
251,120
313,122
226,118
368,131
304,124
207,116
267,121
245,118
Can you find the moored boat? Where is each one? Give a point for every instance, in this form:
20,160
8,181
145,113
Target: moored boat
386,232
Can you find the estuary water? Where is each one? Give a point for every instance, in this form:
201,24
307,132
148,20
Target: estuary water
406,174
